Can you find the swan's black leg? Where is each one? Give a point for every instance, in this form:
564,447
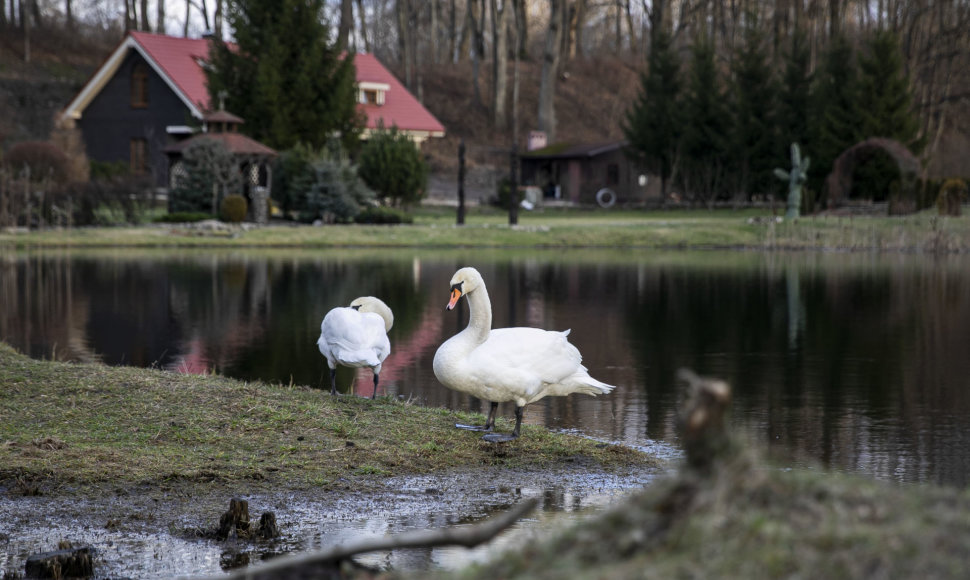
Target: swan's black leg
374,396
489,423
501,438
333,381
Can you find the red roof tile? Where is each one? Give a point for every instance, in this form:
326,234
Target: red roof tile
400,108
181,58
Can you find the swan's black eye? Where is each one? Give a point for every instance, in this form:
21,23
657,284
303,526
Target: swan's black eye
457,286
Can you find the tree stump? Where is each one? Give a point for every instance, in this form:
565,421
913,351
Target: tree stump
703,421
235,522
68,563
267,528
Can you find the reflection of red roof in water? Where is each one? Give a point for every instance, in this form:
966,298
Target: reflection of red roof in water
403,355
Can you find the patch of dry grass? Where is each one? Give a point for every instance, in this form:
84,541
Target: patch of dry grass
64,423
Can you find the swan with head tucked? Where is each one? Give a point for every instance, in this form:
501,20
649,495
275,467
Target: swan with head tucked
356,336
519,364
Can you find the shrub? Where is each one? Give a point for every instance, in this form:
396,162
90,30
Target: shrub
504,193
952,194
208,173
233,208
392,165
43,159
383,215
183,217
336,193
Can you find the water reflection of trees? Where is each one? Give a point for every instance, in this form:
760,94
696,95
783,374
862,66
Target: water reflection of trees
855,362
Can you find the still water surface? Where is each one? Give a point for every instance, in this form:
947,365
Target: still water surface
858,363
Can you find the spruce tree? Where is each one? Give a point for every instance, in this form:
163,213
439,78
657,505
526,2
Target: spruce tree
886,110
885,100
653,124
707,127
793,100
835,120
755,140
284,76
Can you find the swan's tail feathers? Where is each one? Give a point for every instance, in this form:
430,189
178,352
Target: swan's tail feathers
587,385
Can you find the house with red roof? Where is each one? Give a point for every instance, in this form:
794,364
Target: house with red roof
151,93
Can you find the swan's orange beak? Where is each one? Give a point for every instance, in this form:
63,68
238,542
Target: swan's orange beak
455,295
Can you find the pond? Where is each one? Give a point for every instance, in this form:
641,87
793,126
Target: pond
851,362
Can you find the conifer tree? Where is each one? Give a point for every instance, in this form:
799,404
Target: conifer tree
835,114
284,76
755,140
653,124
885,108
793,100
707,127
885,101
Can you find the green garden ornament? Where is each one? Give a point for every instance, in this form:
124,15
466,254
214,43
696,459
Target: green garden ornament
795,178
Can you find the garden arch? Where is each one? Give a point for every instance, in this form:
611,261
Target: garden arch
838,184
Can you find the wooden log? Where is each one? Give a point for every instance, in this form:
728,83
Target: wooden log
68,563
324,563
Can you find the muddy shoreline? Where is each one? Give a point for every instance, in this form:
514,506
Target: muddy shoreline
156,530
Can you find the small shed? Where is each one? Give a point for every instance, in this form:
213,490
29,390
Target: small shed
253,158
599,173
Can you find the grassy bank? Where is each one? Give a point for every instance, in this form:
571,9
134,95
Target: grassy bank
78,424
555,228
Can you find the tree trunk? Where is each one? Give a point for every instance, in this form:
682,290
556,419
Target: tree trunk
144,17
452,31
550,70
522,26
218,19
68,14
476,10
160,17
188,17
402,11
363,25
500,62
634,44
346,23
435,35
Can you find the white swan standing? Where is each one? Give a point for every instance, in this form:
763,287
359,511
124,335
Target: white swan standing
508,364
356,336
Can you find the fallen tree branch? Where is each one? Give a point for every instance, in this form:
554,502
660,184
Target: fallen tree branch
468,537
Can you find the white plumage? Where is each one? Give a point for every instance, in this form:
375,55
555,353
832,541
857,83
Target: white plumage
356,336
518,364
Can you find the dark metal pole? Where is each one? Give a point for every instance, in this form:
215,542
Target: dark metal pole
461,182
514,185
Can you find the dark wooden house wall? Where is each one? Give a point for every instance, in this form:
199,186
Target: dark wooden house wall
580,178
109,122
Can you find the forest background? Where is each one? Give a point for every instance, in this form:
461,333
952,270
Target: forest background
493,70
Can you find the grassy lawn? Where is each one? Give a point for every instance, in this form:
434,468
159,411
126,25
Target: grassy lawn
434,227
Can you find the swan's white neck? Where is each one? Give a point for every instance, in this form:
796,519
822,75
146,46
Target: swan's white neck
480,309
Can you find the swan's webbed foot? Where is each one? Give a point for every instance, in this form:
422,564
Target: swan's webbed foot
489,423
500,437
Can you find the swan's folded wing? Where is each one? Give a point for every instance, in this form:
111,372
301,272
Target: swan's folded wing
355,338
543,354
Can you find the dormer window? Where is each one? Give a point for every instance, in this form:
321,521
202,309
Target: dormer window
139,86
372,93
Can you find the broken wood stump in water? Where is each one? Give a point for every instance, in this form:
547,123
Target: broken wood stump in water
65,563
703,421
330,563
235,523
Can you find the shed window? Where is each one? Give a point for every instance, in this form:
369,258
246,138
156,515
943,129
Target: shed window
138,149
139,86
